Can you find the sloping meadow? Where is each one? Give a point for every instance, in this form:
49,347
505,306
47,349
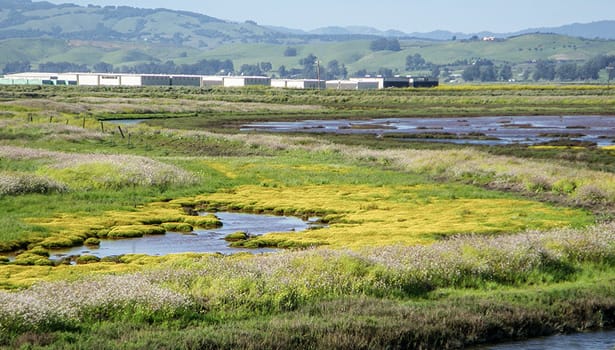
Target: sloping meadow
62,171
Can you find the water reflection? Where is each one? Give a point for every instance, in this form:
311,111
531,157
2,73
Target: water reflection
200,241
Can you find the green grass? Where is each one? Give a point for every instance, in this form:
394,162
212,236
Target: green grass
418,252
355,54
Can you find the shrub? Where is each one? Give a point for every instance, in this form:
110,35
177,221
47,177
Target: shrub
61,242
32,259
92,241
87,259
39,251
236,236
178,227
133,231
207,221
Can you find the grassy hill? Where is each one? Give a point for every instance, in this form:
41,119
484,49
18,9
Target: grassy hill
26,19
355,54
40,32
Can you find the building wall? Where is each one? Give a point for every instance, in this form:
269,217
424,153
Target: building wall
155,80
279,83
132,80
246,81
110,80
186,81
342,85
368,85
213,81
88,79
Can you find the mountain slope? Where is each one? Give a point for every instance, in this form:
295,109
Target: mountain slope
601,29
27,19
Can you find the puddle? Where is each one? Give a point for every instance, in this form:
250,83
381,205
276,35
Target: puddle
200,241
528,130
126,122
582,341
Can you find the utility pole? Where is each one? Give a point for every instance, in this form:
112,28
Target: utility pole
609,71
318,73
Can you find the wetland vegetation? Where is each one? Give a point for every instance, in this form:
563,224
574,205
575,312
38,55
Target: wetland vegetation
421,245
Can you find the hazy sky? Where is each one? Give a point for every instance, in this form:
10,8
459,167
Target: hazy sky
406,15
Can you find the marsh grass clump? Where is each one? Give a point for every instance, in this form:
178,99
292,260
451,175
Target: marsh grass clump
12,183
30,259
55,242
207,221
133,231
87,259
177,227
236,236
92,241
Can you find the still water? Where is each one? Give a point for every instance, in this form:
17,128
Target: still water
582,341
498,130
200,241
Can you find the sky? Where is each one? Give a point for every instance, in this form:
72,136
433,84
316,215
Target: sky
467,16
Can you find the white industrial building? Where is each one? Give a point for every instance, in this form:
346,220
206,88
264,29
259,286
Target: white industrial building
117,79
241,81
352,85
298,83
215,80
37,78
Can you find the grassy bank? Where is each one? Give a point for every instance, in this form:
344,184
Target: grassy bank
461,292
420,245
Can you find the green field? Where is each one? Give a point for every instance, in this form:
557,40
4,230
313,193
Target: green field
354,54
420,245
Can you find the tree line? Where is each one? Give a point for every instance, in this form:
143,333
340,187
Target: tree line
310,67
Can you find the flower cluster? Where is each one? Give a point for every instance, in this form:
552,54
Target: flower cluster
127,170
12,183
45,302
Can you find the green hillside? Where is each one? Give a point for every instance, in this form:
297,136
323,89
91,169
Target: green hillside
130,38
357,55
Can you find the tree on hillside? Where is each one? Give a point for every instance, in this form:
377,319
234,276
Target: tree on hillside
336,71
385,72
266,66
506,72
471,73
102,67
488,73
383,44
61,67
415,62
17,67
545,70
290,52
591,69
309,66
567,72
250,70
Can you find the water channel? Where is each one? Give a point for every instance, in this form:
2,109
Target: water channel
529,130
582,341
199,241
